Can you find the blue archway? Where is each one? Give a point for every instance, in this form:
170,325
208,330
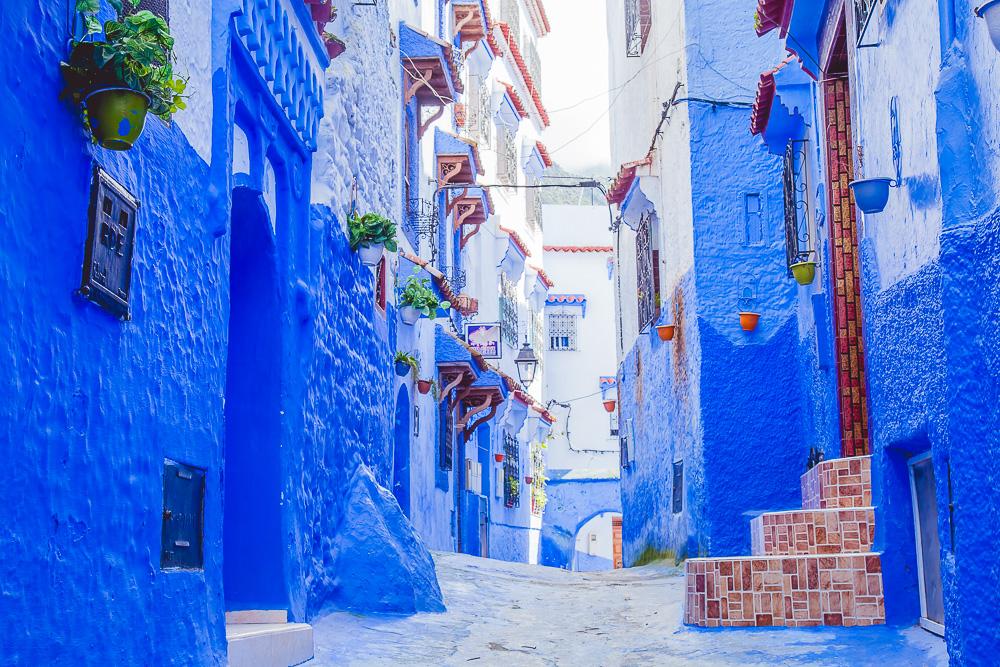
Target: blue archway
253,563
401,452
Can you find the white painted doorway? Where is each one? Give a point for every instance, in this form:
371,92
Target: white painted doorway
925,524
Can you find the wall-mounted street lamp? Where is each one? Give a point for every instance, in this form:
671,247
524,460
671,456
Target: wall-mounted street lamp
527,364
990,12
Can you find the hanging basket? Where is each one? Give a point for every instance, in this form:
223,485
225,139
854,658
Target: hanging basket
748,320
402,368
334,46
498,458
423,386
804,272
609,405
116,116
990,12
665,331
871,194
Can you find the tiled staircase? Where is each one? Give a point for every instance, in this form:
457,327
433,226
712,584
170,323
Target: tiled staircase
812,566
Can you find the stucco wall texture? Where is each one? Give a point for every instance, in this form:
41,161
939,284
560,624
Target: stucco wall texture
93,405
571,504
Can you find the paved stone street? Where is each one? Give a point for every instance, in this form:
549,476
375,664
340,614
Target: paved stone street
514,614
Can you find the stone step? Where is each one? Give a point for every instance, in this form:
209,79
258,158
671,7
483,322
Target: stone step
813,532
269,644
838,483
802,590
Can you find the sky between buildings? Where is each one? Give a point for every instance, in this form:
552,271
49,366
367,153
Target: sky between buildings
575,85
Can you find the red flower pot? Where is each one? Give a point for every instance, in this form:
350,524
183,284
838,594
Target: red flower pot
334,46
610,405
423,386
749,320
498,458
528,479
665,331
322,12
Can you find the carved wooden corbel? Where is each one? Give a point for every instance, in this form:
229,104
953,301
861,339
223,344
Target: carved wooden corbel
464,21
423,79
427,123
474,411
467,433
464,211
451,386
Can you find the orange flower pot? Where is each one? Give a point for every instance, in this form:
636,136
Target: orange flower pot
423,386
610,405
665,331
498,457
748,320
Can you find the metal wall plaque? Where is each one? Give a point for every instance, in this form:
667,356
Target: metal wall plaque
183,516
107,261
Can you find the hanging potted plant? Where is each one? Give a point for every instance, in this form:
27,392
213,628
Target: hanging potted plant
418,299
334,45
749,319
990,12
804,269
665,331
369,234
609,404
424,386
406,363
498,458
120,71
323,11
747,304
528,479
872,194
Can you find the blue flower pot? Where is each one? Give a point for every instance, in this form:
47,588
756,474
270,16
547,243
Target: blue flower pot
990,12
871,194
402,369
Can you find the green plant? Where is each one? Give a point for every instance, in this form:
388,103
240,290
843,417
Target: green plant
417,293
371,229
514,484
409,360
136,52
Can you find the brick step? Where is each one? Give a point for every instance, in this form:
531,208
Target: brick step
813,532
804,590
838,483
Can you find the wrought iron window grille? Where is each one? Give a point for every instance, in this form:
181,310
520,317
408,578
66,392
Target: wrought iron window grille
646,273
507,156
456,277
511,470
562,332
533,203
159,7
510,13
478,122
508,311
423,222
798,241
865,12
638,22
537,320
446,434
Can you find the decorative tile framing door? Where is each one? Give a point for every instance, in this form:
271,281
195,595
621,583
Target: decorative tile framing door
849,349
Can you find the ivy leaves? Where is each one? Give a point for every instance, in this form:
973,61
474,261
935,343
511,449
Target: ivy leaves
418,294
137,52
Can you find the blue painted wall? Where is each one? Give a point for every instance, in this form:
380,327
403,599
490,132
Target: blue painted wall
572,503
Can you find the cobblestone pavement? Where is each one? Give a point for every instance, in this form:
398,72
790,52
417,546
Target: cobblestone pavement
511,614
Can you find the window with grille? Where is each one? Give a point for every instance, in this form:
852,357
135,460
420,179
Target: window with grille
534,210
511,471
638,23
678,491
562,331
479,124
446,434
381,280
506,156
647,273
538,335
508,310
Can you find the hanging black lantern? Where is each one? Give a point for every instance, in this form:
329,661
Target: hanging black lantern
527,364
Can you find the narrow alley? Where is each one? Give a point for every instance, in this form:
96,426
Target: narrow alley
511,614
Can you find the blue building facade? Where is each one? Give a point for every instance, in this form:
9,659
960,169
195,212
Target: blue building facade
883,353
251,375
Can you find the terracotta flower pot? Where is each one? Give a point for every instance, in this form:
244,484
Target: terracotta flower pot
749,320
498,458
528,479
423,386
609,405
665,331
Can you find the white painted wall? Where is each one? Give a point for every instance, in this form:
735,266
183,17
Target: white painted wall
595,538
573,376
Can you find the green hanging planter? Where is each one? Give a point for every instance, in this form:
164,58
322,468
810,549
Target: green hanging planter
116,116
804,272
